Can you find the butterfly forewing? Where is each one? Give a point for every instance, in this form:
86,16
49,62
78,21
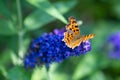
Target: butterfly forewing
68,38
73,26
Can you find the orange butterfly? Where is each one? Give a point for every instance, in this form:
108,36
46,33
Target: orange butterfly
72,36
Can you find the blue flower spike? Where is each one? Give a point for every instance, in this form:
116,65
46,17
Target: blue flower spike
50,48
114,41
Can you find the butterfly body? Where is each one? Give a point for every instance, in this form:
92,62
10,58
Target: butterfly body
72,36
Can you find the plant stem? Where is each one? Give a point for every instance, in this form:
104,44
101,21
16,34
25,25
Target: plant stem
20,42
20,29
19,13
47,71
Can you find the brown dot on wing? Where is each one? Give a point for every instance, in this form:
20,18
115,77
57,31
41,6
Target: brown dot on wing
70,28
67,39
77,29
68,35
76,26
73,30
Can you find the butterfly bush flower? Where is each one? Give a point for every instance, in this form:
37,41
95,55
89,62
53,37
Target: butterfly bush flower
114,41
50,48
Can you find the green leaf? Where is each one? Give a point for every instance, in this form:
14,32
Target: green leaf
115,8
39,74
4,10
85,67
15,59
38,18
56,75
7,28
65,6
46,6
18,73
5,57
98,76
5,60
3,71
52,74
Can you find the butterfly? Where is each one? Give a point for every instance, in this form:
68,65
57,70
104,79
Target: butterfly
72,36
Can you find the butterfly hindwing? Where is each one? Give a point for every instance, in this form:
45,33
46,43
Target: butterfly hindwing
87,37
75,43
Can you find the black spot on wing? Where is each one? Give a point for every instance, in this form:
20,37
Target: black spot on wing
76,26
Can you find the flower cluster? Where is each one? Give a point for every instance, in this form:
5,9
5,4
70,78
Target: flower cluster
114,41
50,48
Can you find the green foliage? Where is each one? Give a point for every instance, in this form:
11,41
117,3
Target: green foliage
7,28
116,8
100,17
85,67
38,18
4,10
46,6
18,73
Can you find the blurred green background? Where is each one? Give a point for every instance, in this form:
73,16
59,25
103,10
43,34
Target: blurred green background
23,20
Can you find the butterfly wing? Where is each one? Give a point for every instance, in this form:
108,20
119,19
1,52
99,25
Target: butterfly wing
72,37
70,41
87,37
68,37
76,43
73,26
80,40
72,34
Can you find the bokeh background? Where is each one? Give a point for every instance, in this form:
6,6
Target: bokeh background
23,20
